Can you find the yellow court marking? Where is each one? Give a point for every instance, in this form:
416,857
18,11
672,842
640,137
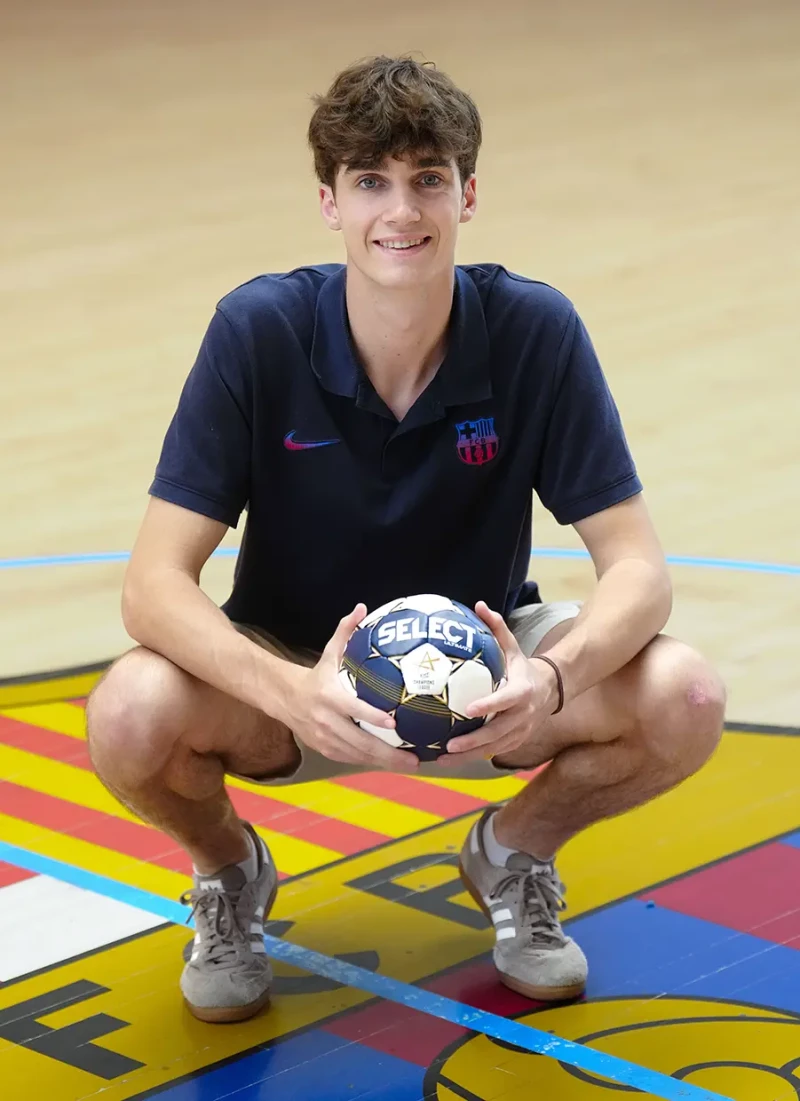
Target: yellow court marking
354,807
493,791
63,718
61,781
292,855
748,793
94,858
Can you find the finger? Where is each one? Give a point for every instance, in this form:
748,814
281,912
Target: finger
348,704
505,745
485,736
370,750
501,700
355,708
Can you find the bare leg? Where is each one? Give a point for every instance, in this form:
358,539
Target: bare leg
161,742
625,741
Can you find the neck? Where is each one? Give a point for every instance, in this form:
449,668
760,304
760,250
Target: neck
400,335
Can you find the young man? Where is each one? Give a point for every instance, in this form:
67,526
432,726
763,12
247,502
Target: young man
385,422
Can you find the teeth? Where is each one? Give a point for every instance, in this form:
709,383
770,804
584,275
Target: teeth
401,244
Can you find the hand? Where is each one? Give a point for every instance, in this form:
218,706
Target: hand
518,708
320,711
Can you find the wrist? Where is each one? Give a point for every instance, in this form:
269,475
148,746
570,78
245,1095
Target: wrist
554,682
274,685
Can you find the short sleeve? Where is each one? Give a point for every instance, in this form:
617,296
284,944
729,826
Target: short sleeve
585,464
206,454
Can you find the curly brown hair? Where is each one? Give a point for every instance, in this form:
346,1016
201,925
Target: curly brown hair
383,107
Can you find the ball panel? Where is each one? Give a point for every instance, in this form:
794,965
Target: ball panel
425,671
472,617
347,681
358,648
377,613
391,737
427,731
470,682
466,726
380,683
492,656
428,603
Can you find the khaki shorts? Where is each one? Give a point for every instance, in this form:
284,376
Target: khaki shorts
528,624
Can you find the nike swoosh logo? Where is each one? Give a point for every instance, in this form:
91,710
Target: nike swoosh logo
291,444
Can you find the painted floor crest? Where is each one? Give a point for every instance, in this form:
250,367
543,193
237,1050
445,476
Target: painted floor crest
689,911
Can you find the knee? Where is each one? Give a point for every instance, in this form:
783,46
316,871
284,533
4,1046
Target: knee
132,716
682,710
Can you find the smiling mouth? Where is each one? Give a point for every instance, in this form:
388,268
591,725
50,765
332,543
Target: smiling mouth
413,244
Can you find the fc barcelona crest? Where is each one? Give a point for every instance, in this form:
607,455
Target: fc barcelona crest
477,441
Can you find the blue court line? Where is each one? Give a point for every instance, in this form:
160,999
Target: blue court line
538,552
476,1020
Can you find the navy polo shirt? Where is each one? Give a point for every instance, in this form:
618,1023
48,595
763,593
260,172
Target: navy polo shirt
346,504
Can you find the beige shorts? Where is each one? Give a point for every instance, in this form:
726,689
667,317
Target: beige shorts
528,624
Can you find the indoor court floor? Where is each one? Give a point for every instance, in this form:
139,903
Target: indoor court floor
639,157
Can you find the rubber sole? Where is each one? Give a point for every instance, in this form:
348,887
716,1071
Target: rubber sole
229,1014
217,1015
536,993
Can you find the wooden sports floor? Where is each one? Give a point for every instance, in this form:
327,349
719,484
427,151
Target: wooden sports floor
642,157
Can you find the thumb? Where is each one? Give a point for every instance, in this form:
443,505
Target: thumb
339,639
498,626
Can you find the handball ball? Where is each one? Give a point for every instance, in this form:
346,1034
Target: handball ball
423,659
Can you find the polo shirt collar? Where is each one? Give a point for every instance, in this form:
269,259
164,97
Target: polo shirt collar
464,375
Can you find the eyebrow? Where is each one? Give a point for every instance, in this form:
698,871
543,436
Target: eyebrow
431,162
422,162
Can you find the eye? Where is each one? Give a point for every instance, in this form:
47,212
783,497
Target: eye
368,183
430,179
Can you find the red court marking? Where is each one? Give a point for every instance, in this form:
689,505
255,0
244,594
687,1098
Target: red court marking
45,743
757,893
305,824
85,824
9,874
260,809
399,788
402,1031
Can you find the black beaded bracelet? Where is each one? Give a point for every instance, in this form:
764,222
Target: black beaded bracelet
559,681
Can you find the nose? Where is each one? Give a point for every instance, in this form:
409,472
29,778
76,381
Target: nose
403,208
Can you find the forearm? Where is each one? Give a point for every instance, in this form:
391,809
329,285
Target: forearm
168,612
629,606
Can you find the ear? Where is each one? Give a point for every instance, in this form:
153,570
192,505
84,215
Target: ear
469,201
327,207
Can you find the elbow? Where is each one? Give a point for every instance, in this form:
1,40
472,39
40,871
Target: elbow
131,607
663,594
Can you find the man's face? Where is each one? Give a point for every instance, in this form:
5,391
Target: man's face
400,221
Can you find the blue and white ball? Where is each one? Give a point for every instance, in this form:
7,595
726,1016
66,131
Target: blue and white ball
423,659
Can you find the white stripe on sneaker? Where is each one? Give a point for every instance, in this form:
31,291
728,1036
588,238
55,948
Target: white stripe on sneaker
502,915
506,934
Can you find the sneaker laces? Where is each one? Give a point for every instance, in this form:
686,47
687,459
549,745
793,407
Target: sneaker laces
542,902
217,923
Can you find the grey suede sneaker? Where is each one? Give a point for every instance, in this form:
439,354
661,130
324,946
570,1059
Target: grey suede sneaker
523,900
228,976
